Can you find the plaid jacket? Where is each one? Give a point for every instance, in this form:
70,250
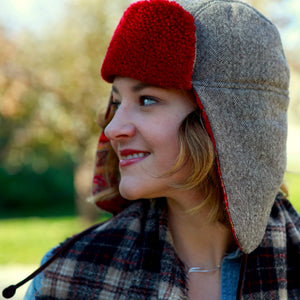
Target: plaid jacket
131,257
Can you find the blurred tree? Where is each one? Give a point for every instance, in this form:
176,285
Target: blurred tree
51,91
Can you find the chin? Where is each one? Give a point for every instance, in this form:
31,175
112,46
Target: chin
129,194
131,189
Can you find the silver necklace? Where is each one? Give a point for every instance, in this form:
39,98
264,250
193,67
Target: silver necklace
203,270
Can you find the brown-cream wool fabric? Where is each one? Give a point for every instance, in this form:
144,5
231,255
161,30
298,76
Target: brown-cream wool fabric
241,78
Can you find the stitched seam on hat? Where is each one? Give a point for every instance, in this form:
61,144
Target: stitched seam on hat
242,86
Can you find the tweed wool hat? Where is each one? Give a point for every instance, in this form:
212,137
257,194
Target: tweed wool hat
231,57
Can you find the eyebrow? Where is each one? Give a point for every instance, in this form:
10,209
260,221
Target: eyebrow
138,87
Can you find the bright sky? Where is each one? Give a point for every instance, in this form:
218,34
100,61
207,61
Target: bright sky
30,14
290,35
37,14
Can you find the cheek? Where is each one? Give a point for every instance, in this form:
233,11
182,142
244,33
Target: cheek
114,145
166,145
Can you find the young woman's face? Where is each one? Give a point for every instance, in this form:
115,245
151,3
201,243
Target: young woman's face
144,135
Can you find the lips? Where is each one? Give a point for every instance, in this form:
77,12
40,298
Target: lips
131,156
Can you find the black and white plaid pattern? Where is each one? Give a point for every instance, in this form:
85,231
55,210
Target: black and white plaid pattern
131,257
273,269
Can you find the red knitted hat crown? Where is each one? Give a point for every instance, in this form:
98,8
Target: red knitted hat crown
154,43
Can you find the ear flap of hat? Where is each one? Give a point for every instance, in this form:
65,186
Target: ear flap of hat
102,182
241,78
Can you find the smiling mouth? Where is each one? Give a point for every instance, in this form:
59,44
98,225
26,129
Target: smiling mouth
129,157
135,155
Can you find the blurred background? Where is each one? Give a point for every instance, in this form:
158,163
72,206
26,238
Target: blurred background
50,94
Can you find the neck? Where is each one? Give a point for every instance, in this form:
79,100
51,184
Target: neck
198,242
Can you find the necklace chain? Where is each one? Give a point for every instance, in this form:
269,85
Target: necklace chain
203,270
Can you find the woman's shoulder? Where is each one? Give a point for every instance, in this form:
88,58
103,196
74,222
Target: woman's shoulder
276,261
284,215
123,231
283,228
281,243
113,231
36,283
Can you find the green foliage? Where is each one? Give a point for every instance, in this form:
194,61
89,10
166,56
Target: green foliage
27,193
293,184
25,241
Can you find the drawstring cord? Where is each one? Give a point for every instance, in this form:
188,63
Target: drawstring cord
10,291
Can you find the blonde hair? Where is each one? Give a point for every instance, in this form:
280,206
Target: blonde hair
197,152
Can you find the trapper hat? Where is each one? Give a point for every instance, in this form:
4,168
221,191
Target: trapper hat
231,57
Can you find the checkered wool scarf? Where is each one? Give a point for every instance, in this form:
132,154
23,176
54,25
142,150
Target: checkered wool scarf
131,257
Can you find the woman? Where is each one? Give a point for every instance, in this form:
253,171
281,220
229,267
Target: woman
190,162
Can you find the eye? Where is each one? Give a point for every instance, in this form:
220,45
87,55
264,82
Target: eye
147,101
115,104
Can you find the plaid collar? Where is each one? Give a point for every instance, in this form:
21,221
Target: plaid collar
273,269
128,256
131,257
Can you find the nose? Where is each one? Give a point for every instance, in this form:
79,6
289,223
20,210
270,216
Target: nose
120,126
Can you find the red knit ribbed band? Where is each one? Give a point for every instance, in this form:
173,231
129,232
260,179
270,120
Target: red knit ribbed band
154,43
